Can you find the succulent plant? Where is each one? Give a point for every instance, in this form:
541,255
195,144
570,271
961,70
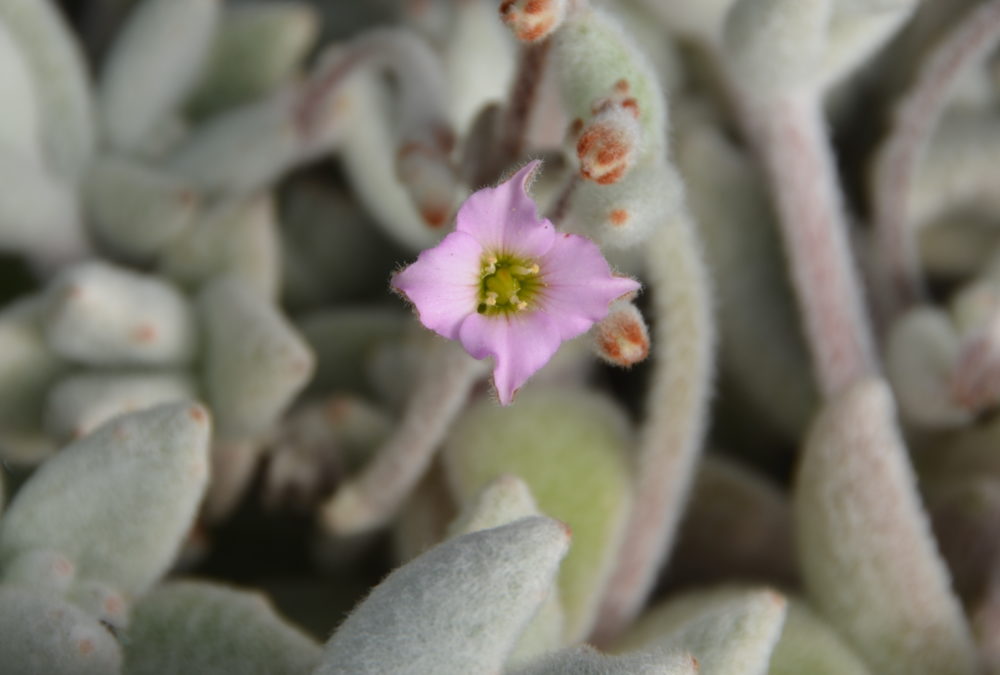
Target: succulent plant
628,231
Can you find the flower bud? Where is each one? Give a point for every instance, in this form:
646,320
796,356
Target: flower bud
533,20
622,338
608,145
430,180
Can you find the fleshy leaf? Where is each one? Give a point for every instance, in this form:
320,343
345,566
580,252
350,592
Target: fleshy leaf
727,630
80,403
152,65
257,48
40,634
469,597
103,315
239,239
585,660
570,448
135,209
503,501
209,629
868,559
59,74
255,362
133,485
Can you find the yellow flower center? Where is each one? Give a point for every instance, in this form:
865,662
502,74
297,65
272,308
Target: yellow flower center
507,284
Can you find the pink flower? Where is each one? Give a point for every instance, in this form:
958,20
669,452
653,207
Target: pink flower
507,285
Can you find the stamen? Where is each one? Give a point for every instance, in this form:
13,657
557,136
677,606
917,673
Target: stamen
491,265
491,298
525,271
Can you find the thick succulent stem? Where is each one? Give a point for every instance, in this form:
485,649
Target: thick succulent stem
372,499
683,345
916,116
787,132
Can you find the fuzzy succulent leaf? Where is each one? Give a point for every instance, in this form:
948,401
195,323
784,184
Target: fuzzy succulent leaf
730,631
103,315
239,239
570,448
41,634
20,129
59,74
868,558
132,485
585,660
346,342
152,65
776,45
80,403
42,570
922,351
506,499
258,47
809,645
246,148
27,369
39,213
470,597
255,361
205,628
136,209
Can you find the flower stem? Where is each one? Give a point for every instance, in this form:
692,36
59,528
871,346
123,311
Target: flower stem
524,93
916,116
370,500
787,132
683,347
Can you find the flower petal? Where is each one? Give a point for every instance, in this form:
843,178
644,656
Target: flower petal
504,219
443,283
579,284
520,345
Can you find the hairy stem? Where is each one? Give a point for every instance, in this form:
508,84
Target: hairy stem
788,133
524,93
372,499
677,403
915,119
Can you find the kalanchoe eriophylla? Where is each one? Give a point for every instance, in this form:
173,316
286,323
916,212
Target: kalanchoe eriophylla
506,284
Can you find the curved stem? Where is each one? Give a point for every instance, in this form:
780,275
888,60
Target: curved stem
788,133
915,119
683,347
372,499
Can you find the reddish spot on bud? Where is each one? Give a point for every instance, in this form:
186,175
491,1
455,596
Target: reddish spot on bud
567,529
63,567
576,127
144,333
197,413
618,217
622,86
622,339
85,646
632,106
435,216
532,20
114,605
606,150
